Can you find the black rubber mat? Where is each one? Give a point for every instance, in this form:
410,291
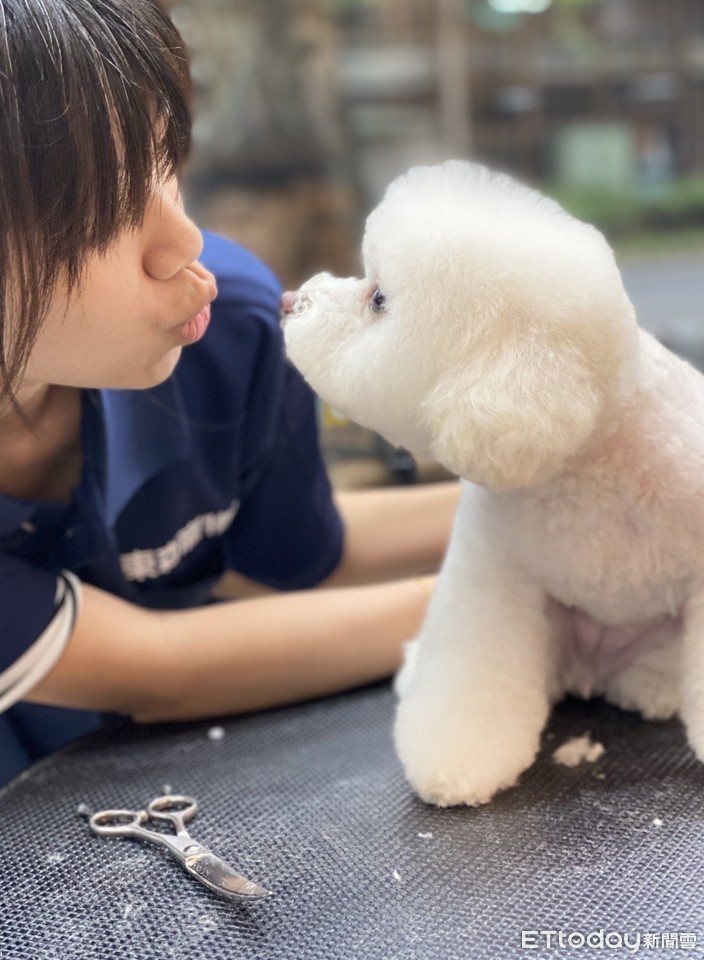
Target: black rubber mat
311,802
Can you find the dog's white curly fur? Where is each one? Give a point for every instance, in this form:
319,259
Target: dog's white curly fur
491,330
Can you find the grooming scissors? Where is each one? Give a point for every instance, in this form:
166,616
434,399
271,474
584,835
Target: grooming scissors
200,862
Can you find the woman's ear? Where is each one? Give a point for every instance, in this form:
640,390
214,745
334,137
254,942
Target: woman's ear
513,419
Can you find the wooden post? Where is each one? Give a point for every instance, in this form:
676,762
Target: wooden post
454,93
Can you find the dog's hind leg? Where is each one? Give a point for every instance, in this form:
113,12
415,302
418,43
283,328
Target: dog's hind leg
692,709
650,684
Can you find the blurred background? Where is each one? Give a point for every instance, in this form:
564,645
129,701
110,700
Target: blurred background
306,109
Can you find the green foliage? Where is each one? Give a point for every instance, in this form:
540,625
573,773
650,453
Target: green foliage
617,213
341,7
576,5
681,204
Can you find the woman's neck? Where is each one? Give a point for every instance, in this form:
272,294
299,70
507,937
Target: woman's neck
40,448
32,402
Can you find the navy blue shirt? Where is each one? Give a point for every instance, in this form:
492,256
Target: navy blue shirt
216,469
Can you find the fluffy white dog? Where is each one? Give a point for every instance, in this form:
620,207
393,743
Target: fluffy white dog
491,331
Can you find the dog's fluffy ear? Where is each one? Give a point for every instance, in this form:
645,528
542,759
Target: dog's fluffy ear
512,420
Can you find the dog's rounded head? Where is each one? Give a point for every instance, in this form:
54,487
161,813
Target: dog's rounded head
490,331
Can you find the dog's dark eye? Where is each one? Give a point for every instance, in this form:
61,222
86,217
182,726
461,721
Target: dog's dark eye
378,301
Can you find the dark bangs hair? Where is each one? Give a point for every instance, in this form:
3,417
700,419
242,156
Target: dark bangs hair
93,106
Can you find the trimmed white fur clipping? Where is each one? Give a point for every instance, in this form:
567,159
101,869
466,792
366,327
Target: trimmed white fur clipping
578,750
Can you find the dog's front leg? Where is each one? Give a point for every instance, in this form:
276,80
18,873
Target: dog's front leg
476,699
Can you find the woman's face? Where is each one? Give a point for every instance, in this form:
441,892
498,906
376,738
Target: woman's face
135,308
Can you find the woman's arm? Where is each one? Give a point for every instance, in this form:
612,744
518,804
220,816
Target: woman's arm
394,532
267,650
390,533
231,657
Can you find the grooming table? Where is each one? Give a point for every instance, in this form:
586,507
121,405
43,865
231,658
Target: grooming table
311,802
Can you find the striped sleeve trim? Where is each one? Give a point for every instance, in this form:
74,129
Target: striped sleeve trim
40,658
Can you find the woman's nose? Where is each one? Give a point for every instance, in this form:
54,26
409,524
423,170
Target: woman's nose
172,240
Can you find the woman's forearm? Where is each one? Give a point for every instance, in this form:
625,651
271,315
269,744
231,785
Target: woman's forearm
231,657
391,533
395,532
239,657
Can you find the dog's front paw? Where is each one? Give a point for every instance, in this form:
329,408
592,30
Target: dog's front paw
460,757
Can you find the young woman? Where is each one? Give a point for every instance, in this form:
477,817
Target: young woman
153,440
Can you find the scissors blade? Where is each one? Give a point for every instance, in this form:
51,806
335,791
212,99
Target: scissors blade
219,876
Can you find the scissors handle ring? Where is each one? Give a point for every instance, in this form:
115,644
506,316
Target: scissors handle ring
117,823
176,809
